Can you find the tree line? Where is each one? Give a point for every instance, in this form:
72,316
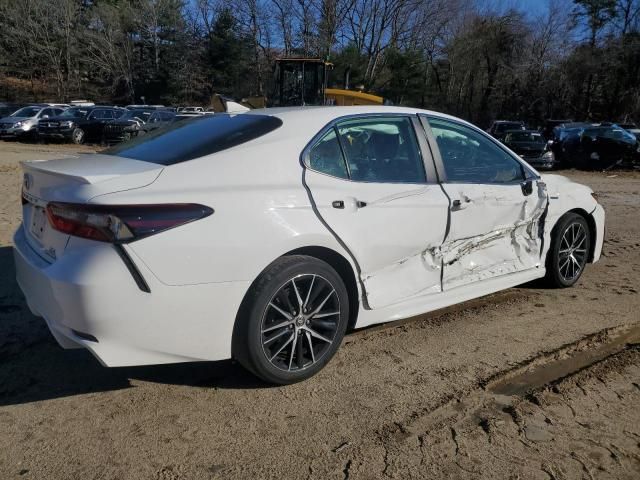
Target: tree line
478,60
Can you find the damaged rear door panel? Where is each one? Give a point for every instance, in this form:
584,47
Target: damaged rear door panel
371,186
497,206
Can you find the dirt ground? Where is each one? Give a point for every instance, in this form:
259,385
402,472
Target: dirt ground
528,383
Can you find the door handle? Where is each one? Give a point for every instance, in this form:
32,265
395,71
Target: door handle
460,204
351,202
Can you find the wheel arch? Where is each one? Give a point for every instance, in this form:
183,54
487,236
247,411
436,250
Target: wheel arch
336,260
342,266
593,232
591,224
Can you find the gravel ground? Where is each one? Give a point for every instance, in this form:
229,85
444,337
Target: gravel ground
528,383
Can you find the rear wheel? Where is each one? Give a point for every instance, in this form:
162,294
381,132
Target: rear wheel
569,251
77,136
293,321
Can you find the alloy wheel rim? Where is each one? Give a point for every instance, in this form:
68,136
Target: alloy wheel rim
300,323
79,135
573,253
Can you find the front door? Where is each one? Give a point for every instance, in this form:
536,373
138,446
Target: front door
497,206
372,187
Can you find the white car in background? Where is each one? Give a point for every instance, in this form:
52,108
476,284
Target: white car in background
23,122
264,236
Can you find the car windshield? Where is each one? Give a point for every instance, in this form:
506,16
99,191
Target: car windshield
204,135
141,114
27,112
503,127
76,112
524,137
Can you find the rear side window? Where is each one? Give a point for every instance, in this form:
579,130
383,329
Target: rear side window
326,156
375,149
200,136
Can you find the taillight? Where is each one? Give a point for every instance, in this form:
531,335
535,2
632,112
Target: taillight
121,223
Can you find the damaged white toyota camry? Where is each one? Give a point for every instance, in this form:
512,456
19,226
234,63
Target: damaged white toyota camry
264,236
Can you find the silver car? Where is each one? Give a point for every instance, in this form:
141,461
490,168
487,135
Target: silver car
24,121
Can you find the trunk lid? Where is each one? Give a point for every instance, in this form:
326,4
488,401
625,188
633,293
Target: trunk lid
76,179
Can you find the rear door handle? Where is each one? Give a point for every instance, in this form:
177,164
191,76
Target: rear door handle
351,202
460,204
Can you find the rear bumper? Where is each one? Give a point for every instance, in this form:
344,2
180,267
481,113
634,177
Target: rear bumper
89,294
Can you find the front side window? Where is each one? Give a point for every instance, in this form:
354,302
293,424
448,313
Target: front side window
470,157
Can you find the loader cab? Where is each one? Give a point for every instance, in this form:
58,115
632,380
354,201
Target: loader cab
301,81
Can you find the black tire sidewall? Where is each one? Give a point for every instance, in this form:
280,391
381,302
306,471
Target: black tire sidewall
553,270
249,350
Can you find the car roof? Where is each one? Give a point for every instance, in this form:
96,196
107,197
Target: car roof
297,117
537,132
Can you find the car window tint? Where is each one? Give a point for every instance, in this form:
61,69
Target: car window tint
382,150
326,157
182,141
470,157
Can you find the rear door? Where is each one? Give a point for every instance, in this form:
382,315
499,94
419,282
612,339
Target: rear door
374,186
497,205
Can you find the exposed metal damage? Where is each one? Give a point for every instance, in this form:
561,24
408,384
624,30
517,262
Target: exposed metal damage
494,245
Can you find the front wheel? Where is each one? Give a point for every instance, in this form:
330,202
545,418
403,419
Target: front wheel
78,136
293,320
569,251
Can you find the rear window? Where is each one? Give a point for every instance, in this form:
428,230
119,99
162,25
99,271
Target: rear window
503,127
182,141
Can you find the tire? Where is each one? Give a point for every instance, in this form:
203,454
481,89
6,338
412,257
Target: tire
78,136
569,251
277,342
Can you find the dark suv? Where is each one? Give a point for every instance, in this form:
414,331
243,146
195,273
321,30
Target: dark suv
499,128
79,124
136,122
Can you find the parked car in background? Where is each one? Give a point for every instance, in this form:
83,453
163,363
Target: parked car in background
532,147
631,128
190,110
145,107
549,125
79,124
158,119
373,214
599,147
23,122
136,122
499,128
7,109
126,126
81,103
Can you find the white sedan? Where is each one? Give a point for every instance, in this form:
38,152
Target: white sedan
264,236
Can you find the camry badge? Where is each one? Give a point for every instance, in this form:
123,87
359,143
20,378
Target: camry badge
27,181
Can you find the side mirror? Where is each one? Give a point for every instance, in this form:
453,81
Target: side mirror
527,187
45,116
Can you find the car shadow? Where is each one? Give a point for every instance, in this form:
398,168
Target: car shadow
33,367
